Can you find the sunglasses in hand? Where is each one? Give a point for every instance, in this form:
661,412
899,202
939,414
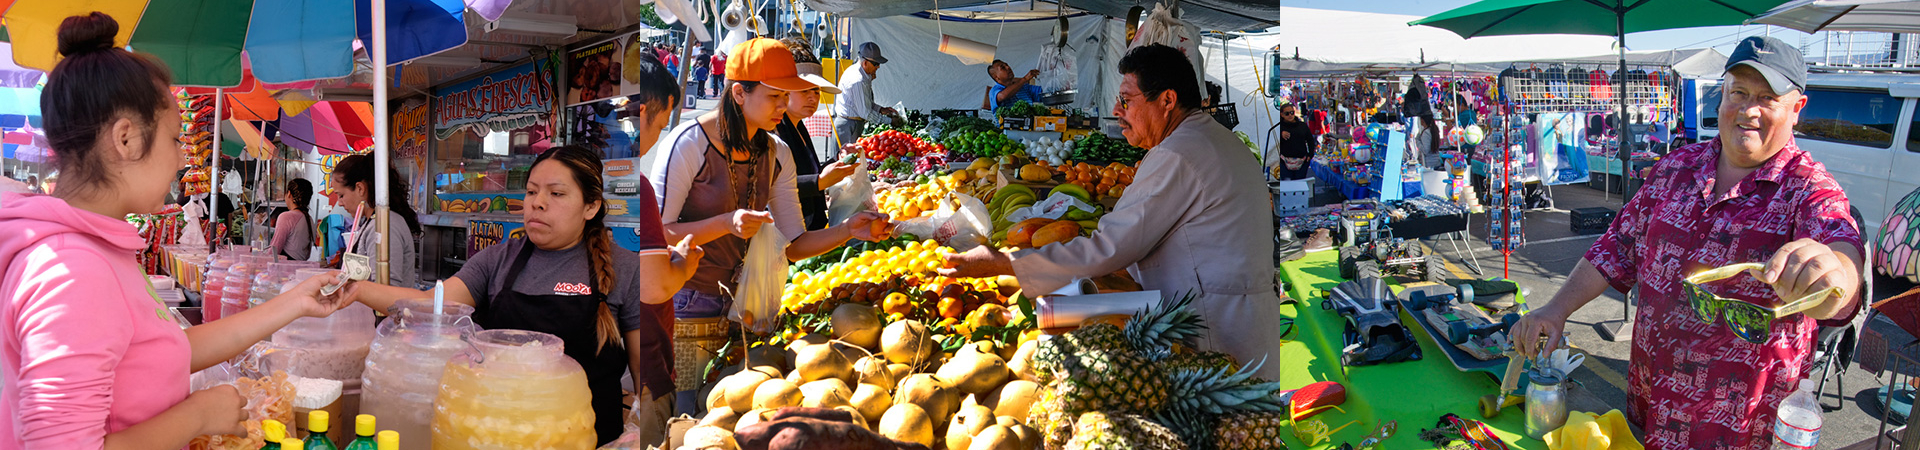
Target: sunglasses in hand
1749,321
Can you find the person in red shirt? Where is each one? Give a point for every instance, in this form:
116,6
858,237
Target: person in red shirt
1748,196
719,65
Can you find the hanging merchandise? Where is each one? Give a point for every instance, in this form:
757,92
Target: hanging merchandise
1161,27
1056,68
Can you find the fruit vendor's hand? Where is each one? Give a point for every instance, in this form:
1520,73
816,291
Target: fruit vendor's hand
981,262
1807,266
746,223
835,172
870,226
814,428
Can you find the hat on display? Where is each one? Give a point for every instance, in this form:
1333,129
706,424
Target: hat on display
812,72
1780,63
871,52
768,62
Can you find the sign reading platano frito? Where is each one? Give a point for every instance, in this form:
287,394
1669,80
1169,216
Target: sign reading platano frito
506,100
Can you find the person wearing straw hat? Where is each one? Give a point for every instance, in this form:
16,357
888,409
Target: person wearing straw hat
1712,361
724,178
814,178
854,107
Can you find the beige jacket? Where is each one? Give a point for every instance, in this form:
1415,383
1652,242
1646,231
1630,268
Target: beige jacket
1197,218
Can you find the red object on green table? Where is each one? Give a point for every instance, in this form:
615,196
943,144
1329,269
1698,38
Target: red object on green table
1310,400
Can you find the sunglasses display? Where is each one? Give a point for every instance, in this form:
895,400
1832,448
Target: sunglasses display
1749,321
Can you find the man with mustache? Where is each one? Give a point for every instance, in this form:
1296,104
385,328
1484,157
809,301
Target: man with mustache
1195,221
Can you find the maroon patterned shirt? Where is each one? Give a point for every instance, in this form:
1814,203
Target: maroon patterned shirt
1696,385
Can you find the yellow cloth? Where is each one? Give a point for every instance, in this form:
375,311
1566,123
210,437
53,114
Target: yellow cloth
1587,431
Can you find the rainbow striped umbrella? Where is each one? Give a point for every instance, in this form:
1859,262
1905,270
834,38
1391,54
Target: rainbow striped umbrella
210,42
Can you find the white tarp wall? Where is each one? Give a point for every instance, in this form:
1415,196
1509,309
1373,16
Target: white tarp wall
919,76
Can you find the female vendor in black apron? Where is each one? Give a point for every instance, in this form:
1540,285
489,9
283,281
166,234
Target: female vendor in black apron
609,306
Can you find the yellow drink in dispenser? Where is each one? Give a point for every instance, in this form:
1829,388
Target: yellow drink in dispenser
513,389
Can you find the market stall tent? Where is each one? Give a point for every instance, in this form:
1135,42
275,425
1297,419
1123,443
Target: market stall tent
1207,14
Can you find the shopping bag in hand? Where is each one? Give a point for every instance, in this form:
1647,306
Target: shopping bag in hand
763,273
850,196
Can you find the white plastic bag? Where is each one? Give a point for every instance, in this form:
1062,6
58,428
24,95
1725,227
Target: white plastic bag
850,196
763,273
1056,68
1053,207
962,222
1160,27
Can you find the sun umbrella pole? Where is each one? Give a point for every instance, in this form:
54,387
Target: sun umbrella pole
213,195
380,157
1626,132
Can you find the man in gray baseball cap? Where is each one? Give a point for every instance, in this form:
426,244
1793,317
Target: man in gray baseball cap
1750,195
855,105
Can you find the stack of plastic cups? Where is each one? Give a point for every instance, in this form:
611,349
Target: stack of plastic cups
213,286
233,296
267,284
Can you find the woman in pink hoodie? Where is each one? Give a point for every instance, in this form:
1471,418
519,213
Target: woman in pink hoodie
89,356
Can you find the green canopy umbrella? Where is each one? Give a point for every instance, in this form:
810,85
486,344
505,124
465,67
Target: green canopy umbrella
1602,17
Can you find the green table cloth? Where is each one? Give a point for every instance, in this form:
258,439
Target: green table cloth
1414,393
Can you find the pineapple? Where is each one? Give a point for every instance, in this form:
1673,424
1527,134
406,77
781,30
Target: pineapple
1098,431
1204,360
1154,332
1252,431
1200,395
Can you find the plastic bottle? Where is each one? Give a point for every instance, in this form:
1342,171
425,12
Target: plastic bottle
1797,424
275,432
317,432
388,440
362,433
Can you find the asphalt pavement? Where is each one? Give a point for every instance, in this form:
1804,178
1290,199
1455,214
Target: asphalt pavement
1541,267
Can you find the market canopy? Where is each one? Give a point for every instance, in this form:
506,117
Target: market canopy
1363,38
1207,14
1887,16
1596,17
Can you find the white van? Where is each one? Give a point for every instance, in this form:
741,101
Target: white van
1861,126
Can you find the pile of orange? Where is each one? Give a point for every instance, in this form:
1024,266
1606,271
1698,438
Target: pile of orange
1110,180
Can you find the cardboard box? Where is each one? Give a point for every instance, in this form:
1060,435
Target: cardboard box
1017,123
1050,123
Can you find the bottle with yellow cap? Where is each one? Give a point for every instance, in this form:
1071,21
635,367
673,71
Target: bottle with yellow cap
362,433
275,432
317,427
388,440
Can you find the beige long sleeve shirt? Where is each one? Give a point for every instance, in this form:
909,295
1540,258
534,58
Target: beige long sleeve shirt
1196,219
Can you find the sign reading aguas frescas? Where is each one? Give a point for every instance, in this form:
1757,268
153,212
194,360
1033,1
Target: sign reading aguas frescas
506,100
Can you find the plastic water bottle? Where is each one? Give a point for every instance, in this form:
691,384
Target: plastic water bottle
1797,424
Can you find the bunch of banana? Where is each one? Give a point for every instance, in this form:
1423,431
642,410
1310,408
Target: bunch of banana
1005,200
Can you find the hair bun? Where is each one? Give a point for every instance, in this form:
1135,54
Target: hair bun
87,33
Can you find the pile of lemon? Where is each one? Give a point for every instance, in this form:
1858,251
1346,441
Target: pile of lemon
920,259
908,202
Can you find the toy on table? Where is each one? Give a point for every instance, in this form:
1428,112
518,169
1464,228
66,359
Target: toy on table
1373,333
1376,257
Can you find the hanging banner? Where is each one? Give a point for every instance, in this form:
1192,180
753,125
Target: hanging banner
506,100
410,129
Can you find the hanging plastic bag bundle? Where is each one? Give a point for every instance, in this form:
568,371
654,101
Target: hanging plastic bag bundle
1161,27
763,273
1056,68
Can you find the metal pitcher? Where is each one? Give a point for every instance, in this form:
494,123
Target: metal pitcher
1546,402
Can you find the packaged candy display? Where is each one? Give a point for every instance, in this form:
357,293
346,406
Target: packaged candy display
410,351
513,389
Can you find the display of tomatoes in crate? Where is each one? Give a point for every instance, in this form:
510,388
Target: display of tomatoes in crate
893,143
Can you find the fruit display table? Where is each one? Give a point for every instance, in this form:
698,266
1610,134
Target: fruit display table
1414,393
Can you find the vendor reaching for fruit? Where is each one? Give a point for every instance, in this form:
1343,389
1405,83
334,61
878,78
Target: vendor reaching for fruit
724,178
1750,195
1194,221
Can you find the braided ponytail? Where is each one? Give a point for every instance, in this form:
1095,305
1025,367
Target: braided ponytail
585,165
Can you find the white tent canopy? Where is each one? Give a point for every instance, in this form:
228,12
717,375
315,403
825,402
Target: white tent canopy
918,76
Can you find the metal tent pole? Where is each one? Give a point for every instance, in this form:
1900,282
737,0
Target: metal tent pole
213,193
381,160
1619,330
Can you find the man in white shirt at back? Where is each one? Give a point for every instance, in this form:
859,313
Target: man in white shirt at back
854,107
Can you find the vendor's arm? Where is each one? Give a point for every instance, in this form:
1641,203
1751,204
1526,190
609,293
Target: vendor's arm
1012,89
1825,253
1160,196
221,340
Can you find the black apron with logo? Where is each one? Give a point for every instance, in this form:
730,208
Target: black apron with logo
572,318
